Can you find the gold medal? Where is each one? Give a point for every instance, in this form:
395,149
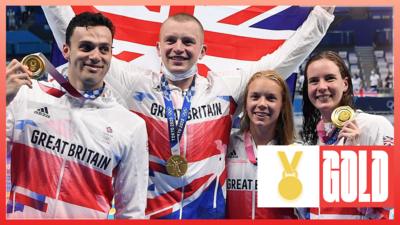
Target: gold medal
176,166
290,187
342,114
35,64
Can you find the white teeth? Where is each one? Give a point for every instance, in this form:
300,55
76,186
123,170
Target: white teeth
178,58
323,97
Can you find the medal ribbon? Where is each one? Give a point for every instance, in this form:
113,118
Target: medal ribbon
60,78
290,167
329,138
333,138
248,145
175,131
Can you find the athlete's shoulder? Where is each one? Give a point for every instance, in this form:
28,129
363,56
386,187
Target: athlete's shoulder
370,120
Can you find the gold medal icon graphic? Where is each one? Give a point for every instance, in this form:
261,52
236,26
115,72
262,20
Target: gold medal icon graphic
176,166
342,114
290,186
35,64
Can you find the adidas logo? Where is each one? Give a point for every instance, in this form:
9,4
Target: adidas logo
233,155
42,112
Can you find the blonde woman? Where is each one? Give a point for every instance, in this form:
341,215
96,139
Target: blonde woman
267,120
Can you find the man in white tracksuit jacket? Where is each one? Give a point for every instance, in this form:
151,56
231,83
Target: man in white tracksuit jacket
72,154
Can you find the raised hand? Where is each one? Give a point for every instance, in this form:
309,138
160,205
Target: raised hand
16,76
350,132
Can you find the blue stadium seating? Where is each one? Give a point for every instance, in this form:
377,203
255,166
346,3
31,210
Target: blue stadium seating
24,42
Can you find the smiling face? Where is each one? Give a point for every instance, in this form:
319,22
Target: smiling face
89,55
325,86
264,103
181,45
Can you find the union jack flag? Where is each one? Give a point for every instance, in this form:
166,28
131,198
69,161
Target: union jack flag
388,141
235,35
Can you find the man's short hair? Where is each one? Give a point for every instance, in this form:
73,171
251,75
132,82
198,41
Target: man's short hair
184,17
88,19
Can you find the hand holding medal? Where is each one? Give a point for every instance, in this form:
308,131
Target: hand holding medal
39,66
341,115
343,118
36,65
17,75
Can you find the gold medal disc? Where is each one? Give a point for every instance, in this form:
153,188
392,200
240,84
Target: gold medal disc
342,114
35,64
290,187
176,166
